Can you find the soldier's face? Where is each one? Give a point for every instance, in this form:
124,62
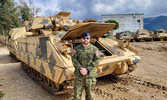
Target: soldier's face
86,40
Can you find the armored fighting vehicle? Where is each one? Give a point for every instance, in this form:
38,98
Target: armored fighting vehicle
45,44
125,35
160,34
143,34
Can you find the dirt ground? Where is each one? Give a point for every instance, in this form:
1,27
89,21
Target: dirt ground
147,82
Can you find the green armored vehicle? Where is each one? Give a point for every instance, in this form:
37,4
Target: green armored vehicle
125,35
45,45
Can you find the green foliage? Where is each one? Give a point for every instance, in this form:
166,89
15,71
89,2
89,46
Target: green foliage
113,21
161,39
1,94
8,16
12,16
25,11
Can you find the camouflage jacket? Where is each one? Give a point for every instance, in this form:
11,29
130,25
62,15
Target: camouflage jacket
85,57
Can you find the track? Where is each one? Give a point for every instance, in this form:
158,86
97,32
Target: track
44,82
123,85
137,80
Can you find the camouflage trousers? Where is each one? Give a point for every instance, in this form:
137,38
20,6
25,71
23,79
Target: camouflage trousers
84,83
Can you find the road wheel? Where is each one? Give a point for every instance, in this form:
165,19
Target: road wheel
39,75
47,80
55,86
33,72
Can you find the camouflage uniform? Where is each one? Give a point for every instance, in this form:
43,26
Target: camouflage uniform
89,59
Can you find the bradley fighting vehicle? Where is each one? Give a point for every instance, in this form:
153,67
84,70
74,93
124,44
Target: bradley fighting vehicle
160,34
143,34
45,44
125,35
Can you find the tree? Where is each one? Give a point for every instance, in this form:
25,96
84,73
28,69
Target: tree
28,9
110,33
13,15
113,21
25,12
8,17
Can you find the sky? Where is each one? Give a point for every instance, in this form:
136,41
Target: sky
82,9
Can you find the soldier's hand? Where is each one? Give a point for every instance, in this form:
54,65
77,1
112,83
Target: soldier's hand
83,71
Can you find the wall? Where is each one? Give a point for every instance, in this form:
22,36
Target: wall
131,22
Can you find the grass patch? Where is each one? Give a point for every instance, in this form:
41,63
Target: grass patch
161,39
1,94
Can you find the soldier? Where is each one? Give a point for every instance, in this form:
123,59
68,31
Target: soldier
85,58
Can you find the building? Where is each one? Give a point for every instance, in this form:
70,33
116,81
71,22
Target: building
131,22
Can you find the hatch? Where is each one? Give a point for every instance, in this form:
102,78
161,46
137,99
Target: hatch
96,30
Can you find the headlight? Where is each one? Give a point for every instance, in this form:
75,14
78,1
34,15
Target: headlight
69,50
135,60
66,48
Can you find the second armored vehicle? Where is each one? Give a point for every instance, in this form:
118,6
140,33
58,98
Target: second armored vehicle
143,34
125,35
160,34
